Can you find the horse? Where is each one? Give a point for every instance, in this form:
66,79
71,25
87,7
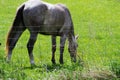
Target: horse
40,17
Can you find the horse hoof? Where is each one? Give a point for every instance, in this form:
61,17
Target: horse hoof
61,62
53,61
33,66
7,61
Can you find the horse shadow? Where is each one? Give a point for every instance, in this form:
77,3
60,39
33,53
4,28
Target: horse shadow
55,67
45,67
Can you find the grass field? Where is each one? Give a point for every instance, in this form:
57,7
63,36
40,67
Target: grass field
98,24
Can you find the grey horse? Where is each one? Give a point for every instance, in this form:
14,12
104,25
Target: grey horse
40,17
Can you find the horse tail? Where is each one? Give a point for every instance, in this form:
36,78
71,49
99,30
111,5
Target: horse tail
16,29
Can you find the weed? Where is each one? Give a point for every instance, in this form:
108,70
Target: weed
115,67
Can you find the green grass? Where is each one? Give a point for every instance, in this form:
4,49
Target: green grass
98,24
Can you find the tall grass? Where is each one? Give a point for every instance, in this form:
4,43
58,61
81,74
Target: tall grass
96,21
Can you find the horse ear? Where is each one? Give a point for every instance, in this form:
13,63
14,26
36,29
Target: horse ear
76,37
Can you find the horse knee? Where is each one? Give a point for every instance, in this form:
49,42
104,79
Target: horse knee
54,48
61,49
30,48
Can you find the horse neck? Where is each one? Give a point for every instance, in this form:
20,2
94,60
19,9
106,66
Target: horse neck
71,39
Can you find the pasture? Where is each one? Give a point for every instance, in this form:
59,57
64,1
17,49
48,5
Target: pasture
98,24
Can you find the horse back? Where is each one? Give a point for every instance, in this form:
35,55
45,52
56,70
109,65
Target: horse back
34,13
44,17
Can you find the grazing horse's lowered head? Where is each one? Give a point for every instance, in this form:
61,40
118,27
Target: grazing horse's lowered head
72,48
47,19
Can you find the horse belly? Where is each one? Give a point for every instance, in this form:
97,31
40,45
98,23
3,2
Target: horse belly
49,30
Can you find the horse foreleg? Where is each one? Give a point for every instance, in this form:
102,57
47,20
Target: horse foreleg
30,46
62,44
53,49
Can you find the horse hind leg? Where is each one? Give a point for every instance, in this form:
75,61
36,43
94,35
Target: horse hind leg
53,49
30,46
